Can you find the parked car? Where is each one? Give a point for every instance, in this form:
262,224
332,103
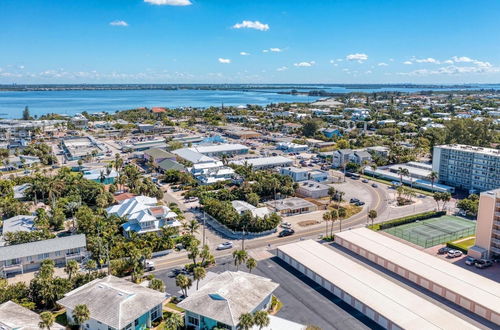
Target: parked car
286,232
483,263
454,254
444,250
374,185
470,261
359,203
286,225
149,265
364,181
225,246
353,200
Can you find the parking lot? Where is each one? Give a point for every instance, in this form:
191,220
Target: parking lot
303,300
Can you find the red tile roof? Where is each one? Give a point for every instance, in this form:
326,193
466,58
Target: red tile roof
124,196
158,110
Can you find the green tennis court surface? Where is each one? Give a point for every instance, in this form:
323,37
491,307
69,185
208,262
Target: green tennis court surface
430,232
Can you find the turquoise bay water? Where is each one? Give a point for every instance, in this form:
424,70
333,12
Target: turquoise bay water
71,102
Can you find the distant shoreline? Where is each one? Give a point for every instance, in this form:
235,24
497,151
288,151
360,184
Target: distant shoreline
230,87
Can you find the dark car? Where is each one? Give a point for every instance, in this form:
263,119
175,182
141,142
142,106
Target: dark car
364,181
374,185
483,263
444,250
354,200
359,203
286,232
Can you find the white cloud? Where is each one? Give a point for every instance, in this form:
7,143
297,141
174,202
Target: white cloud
118,23
265,50
169,2
368,72
256,25
276,50
282,68
453,70
427,60
408,62
304,64
244,53
448,62
224,60
382,64
357,57
462,59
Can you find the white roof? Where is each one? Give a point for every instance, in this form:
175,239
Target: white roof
227,296
226,147
265,161
132,205
401,306
474,287
113,301
14,316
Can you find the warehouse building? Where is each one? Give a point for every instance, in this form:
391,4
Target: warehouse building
265,163
473,292
380,299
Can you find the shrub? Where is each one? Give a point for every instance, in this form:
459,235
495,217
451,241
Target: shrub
405,220
454,246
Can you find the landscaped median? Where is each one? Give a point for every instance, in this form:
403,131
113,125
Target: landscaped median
463,244
405,220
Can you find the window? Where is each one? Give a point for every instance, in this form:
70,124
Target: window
193,320
136,322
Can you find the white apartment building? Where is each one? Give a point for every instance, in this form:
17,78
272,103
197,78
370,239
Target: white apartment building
487,226
465,167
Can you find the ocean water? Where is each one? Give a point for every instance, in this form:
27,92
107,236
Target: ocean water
71,102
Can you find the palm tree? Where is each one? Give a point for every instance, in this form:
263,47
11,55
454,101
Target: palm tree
47,320
372,214
157,284
199,273
174,321
246,321
433,176
261,319
251,264
331,192
341,214
81,314
327,216
183,282
334,216
239,256
402,172
192,226
71,268
374,168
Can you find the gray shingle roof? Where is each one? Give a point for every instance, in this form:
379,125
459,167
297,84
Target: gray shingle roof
46,246
14,316
113,301
227,296
168,164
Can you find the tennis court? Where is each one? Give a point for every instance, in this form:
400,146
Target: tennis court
431,232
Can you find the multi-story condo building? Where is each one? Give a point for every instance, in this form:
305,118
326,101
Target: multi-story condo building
487,226
465,167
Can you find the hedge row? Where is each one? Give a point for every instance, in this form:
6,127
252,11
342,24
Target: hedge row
405,220
456,247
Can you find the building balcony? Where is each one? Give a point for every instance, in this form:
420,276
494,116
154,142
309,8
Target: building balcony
74,256
495,250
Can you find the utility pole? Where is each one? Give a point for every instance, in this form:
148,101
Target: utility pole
204,226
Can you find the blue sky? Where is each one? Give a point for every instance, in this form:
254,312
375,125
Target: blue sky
251,41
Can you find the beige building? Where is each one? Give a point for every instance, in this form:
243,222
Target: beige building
487,226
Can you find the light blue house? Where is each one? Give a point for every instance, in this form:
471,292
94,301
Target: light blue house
115,304
331,132
224,298
100,175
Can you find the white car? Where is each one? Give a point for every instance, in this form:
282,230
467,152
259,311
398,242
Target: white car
286,225
454,253
225,246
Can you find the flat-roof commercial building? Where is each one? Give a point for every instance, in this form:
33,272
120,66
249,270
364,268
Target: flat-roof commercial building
473,292
487,226
312,189
471,168
291,206
80,147
265,163
380,299
216,150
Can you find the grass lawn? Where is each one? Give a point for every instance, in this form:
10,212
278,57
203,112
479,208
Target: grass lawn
61,317
174,306
465,243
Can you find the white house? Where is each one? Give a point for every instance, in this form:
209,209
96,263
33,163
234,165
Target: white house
144,215
17,317
242,206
